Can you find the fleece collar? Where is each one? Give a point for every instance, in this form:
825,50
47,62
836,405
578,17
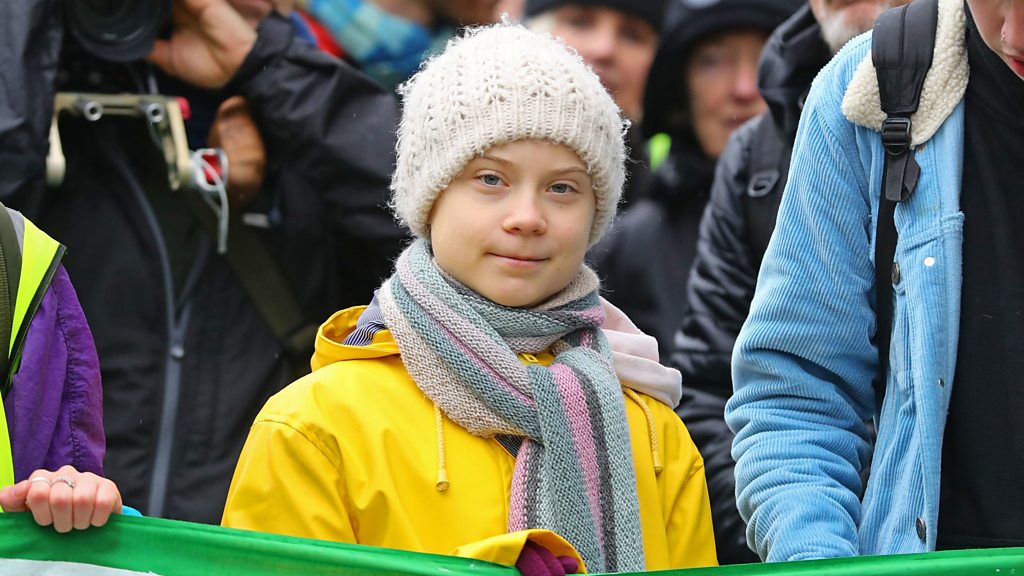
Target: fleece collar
944,85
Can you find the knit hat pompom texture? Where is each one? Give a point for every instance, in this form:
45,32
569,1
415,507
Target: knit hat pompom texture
495,85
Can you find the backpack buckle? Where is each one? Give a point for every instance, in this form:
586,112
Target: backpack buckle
896,135
763,182
901,170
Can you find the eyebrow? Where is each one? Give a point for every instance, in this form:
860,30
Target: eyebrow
505,162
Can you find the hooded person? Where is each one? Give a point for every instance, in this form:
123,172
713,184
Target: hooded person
476,407
618,39
702,86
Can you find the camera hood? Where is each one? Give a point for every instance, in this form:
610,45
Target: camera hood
117,30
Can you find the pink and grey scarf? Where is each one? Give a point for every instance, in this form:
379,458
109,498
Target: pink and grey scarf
574,471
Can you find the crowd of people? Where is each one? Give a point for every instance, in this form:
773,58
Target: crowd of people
566,285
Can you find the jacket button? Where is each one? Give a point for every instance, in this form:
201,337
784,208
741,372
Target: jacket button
922,531
942,383
895,273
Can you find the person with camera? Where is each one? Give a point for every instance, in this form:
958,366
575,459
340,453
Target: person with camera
190,341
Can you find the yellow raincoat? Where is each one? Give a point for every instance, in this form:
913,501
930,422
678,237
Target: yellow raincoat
354,452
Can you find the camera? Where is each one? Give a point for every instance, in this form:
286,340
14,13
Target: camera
117,30
101,75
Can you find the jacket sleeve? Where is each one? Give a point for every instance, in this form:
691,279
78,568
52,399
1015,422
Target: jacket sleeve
331,126
685,505
805,360
29,49
722,277
505,548
55,406
704,416
285,483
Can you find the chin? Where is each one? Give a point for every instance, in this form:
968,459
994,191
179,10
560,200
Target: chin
513,298
846,25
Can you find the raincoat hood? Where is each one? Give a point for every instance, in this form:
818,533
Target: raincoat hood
634,354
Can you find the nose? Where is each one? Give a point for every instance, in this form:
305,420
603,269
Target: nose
524,215
600,46
1013,30
744,86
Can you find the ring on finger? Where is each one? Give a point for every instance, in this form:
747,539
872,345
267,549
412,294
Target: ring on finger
42,479
66,480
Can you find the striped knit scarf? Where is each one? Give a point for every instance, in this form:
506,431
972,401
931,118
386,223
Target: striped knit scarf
574,472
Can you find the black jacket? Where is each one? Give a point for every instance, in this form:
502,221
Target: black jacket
187,359
733,235
645,258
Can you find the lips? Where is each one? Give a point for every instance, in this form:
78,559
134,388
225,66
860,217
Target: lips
840,4
520,257
518,260
1017,65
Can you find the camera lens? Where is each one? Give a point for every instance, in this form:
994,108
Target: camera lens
117,30
106,8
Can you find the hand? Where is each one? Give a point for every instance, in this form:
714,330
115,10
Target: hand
66,498
536,560
234,130
209,41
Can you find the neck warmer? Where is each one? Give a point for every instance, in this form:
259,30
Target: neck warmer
386,47
574,472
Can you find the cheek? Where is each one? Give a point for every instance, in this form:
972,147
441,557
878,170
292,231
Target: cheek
448,252
572,35
706,95
576,240
704,118
637,63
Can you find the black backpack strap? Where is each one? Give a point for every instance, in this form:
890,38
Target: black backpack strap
264,282
901,51
10,276
769,168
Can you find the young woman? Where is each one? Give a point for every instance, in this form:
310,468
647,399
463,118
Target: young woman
474,406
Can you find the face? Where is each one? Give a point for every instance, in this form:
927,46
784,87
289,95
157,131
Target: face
514,9
722,79
617,45
1001,24
466,12
255,10
841,20
515,224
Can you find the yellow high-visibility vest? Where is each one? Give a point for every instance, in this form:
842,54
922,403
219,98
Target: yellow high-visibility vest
40,256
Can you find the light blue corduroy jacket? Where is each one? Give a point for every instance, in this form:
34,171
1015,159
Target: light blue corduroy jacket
805,359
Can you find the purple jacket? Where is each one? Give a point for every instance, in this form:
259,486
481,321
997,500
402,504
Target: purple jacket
55,405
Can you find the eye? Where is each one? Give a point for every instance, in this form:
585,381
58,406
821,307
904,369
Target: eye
577,19
489,179
562,188
635,33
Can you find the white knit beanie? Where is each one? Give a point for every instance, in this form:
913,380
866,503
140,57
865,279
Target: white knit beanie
499,84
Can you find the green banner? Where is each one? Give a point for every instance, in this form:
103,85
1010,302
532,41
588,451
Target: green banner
172,548
130,546
995,562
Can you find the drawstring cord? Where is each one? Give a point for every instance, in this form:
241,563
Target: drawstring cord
651,429
442,465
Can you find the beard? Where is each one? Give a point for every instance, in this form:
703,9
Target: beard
840,25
